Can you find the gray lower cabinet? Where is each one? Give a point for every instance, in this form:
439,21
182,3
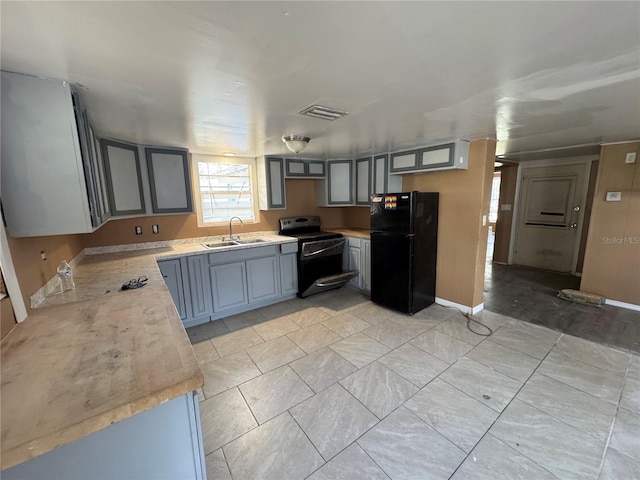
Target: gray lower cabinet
162,442
211,286
199,288
288,274
172,273
262,279
358,257
229,286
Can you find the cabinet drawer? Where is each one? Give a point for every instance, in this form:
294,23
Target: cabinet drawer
354,242
288,248
242,254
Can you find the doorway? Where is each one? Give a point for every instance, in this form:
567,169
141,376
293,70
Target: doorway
550,216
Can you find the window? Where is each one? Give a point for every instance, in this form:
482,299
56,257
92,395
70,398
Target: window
495,198
224,189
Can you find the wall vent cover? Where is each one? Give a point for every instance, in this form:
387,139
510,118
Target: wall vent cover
326,113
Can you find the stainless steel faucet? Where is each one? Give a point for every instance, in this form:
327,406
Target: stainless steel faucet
231,228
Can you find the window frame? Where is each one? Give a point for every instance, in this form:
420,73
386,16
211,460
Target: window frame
197,193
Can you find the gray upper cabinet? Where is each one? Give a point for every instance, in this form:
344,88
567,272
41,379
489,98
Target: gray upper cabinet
383,181
169,180
271,192
404,161
124,179
450,156
363,181
337,188
304,168
47,173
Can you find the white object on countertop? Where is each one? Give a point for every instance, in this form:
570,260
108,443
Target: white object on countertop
65,276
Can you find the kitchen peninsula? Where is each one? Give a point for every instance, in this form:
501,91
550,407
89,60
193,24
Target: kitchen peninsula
99,382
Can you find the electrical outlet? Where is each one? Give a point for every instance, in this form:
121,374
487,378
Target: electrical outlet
43,254
630,157
155,229
138,230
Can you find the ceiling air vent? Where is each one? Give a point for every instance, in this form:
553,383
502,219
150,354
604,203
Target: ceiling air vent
325,113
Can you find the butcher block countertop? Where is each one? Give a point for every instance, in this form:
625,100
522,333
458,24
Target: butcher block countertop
352,232
96,355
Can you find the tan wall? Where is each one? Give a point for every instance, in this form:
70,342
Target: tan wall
357,217
7,317
462,240
31,270
612,258
591,190
508,180
301,200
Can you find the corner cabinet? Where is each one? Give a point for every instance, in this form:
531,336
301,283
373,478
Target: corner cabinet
337,188
49,177
271,192
450,156
172,274
169,180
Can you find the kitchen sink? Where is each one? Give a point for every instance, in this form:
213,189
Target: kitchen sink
220,244
251,240
234,243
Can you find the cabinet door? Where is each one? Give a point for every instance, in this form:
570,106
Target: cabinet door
363,181
124,180
404,161
172,274
169,180
199,286
366,265
288,274
315,168
275,183
100,179
380,167
434,157
229,286
262,279
355,263
340,182
296,167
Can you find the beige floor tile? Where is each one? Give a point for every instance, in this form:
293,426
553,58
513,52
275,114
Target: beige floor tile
322,369
345,324
217,466
236,341
441,345
359,349
414,364
271,329
205,352
228,372
224,418
308,316
314,337
274,353
351,464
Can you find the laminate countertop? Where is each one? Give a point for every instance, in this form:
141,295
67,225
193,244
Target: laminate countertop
352,232
89,358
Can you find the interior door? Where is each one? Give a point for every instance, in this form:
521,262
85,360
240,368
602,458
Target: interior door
550,216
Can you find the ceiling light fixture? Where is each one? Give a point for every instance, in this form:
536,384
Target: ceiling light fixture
228,154
296,143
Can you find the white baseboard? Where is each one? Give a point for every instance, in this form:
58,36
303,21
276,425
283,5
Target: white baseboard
628,306
458,306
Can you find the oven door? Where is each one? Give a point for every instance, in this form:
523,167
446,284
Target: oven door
320,267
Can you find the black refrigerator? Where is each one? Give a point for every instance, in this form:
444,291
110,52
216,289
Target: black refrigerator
404,245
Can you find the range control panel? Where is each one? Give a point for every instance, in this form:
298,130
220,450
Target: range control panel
295,223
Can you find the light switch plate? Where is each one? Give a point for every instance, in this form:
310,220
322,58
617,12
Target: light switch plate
614,196
630,158
505,207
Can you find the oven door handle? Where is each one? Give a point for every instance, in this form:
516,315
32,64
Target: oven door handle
322,250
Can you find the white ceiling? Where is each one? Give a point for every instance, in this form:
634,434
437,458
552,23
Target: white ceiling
232,76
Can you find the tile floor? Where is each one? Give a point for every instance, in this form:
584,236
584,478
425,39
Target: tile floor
335,387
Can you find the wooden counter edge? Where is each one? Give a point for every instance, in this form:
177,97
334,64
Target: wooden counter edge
34,448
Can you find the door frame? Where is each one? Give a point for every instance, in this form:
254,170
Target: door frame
523,167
